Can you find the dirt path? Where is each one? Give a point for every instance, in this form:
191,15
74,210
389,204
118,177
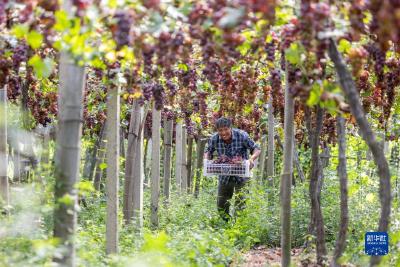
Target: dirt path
262,256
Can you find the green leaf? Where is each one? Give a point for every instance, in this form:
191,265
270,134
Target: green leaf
67,200
34,39
344,46
183,66
85,186
244,48
102,166
157,243
248,109
20,31
293,54
42,68
62,21
315,94
97,63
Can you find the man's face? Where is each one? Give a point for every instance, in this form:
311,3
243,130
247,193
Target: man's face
225,133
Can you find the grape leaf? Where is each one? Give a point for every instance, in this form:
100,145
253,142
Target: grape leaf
293,54
20,31
34,39
42,68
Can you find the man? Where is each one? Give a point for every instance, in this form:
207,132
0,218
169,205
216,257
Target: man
231,142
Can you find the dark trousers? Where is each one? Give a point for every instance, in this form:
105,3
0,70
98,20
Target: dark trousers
225,193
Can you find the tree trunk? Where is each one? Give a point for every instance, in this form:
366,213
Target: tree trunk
287,174
315,177
189,164
70,116
95,152
45,156
147,160
271,148
344,209
298,165
168,131
184,175
25,91
155,165
178,155
4,184
112,182
261,159
369,137
100,159
201,146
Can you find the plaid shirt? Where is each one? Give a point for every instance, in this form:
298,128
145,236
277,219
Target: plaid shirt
241,143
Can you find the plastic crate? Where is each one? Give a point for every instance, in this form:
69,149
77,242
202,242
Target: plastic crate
212,169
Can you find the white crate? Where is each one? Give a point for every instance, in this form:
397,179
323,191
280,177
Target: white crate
212,169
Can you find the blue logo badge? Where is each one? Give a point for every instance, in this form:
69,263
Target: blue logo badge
376,243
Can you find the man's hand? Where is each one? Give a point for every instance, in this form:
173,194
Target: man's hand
251,161
255,155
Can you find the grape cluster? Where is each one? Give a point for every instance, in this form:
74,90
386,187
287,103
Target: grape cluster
380,59
357,56
20,54
94,113
121,30
49,5
26,14
314,20
43,105
270,48
151,4
385,22
14,88
5,66
278,99
265,7
158,94
356,16
147,92
223,159
3,13
168,114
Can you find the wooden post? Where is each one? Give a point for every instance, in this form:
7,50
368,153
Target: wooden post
271,144
112,182
138,174
169,124
4,185
155,166
189,163
201,145
100,159
178,155
133,134
184,176
261,160
287,171
68,156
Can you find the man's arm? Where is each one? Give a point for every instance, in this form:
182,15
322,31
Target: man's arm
254,150
254,156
